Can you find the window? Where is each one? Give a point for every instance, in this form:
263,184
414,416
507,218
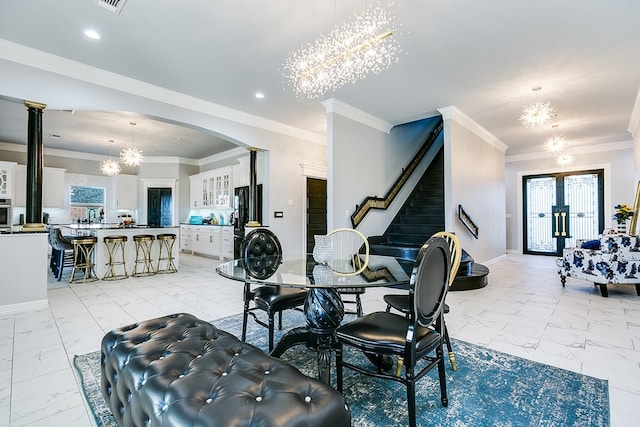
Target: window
86,202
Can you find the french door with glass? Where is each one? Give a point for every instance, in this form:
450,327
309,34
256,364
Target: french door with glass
560,208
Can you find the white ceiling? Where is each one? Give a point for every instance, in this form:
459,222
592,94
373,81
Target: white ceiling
481,56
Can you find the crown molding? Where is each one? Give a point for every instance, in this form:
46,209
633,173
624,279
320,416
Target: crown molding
454,113
316,171
234,152
52,63
333,105
581,149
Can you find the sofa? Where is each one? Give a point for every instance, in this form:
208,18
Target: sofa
610,259
178,370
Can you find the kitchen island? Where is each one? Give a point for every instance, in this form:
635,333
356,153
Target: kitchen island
101,255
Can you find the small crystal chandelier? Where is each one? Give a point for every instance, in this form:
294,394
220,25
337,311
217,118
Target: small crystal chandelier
565,160
347,54
110,167
538,113
131,156
555,143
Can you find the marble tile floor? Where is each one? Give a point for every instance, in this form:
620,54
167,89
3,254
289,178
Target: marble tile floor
523,311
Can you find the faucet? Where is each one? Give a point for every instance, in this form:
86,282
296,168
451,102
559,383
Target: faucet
91,211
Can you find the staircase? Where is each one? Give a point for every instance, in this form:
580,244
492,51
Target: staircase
421,216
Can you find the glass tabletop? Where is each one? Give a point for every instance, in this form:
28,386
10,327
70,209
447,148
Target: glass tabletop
306,273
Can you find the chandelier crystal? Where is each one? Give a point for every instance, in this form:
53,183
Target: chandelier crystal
347,54
555,143
537,114
110,167
131,156
565,160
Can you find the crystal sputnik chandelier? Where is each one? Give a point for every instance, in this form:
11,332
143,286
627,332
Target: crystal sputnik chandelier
555,143
347,54
131,156
537,114
110,167
564,160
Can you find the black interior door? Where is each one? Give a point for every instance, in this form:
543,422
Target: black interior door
316,210
159,207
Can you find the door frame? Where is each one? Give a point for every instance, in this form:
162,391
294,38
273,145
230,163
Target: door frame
161,183
559,184
311,171
606,167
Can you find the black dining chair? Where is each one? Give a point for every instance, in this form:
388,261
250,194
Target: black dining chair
413,338
401,302
261,254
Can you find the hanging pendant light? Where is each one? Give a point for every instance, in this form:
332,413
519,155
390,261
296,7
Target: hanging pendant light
110,167
131,156
555,143
538,113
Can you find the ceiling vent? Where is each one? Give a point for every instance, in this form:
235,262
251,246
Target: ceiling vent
114,6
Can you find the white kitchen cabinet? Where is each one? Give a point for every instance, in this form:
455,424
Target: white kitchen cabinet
52,187
226,244
211,189
125,191
186,238
6,180
53,191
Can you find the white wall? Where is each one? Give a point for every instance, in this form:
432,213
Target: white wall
620,184
474,178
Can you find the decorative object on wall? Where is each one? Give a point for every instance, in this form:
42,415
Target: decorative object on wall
347,54
131,156
565,160
464,217
110,167
555,143
538,113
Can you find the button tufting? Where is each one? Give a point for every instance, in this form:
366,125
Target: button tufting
237,354
164,408
267,372
198,356
224,374
307,399
181,376
209,400
259,399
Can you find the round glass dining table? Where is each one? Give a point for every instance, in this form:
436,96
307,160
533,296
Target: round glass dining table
323,308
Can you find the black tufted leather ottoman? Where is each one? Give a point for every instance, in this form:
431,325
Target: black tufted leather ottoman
181,371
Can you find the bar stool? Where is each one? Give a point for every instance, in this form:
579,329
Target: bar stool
166,241
143,242
115,249
83,247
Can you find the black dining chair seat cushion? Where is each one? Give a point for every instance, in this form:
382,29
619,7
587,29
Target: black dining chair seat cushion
277,298
382,332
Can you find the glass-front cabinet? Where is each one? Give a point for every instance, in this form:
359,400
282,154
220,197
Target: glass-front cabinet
211,189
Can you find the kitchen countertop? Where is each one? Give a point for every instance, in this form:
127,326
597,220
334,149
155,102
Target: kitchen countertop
106,226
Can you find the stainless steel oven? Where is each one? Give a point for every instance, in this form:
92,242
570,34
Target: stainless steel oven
6,218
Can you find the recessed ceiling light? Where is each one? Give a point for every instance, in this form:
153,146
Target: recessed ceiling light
259,95
92,34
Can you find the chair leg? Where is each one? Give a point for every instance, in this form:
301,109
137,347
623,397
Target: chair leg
411,397
245,312
280,320
358,305
60,256
452,357
339,368
400,362
442,376
271,328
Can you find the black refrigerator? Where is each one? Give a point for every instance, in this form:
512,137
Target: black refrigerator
241,214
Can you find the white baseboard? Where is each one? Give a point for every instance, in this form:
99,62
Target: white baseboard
494,260
24,306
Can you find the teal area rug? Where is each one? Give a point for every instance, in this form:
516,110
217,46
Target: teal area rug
488,389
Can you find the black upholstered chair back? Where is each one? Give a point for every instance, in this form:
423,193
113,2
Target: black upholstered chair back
430,280
261,253
57,240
